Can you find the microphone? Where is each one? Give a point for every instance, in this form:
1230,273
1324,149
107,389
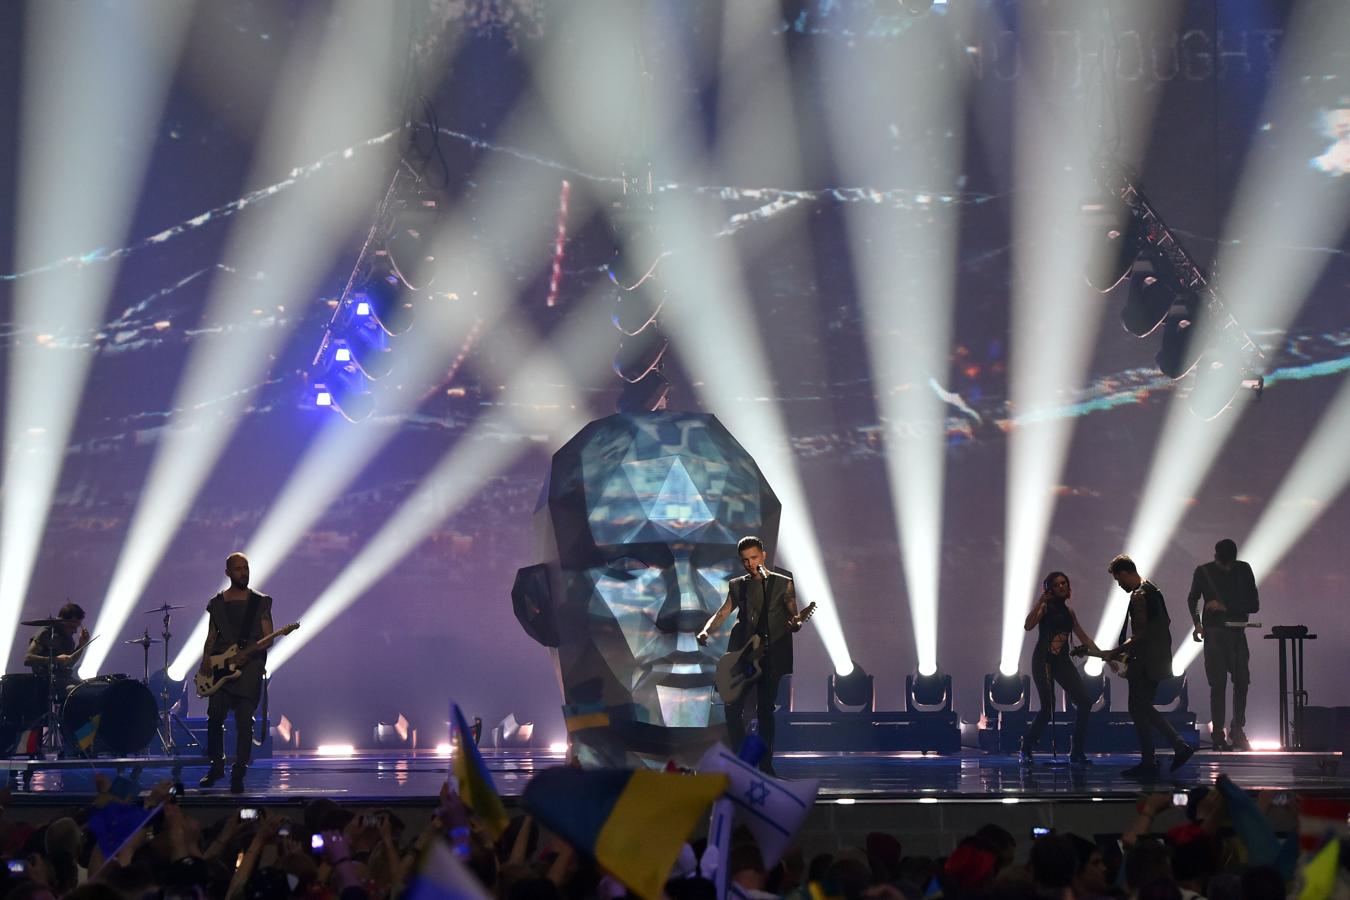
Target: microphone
763,573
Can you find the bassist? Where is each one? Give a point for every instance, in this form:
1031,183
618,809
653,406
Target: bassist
766,604
238,615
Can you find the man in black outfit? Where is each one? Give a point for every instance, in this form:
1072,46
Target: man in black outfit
58,644
1148,653
1228,589
766,604
241,616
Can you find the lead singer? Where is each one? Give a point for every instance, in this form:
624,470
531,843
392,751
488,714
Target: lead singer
766,605
1050,663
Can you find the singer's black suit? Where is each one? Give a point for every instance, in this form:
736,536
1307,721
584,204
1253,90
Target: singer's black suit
763,607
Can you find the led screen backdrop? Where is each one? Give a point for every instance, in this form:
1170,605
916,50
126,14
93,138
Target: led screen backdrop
865,231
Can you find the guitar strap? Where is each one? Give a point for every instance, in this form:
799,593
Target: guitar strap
250,616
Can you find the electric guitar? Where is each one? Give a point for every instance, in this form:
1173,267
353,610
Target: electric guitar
741,668
226,666
1119,665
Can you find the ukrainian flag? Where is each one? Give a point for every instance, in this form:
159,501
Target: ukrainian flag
84,736
475,782
632,823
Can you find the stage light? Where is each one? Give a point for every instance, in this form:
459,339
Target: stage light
845,801
74,196
1180,351
1098,689
444,749
385,298
558,747
641,353
1006,693
325,103
1266,745
1150,299
1173,694
322,396
854,689
647,394
398,733
1114,242
928,693
336,750
511,733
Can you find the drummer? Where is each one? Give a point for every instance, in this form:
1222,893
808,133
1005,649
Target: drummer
59,639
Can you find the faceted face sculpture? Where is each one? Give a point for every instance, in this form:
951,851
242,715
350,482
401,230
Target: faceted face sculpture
637,528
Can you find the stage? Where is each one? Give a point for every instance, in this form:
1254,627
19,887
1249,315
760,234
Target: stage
415,777
928,801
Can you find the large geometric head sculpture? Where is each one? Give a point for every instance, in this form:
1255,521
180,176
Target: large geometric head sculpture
635,536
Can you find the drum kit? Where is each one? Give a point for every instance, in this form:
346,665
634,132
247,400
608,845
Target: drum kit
109,714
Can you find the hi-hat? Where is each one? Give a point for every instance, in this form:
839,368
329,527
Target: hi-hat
163,609
43,623
143,640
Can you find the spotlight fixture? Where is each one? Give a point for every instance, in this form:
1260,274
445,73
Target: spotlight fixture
1167,288
399,733
1173,695
647,394
1115,242
1149,300
854,692
1098,691
929,693
512,733
1006,693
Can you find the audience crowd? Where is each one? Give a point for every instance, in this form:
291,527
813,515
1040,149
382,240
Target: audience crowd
1229,845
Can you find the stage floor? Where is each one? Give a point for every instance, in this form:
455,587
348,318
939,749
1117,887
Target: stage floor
414,778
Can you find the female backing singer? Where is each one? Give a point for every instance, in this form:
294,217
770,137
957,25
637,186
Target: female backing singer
1050,663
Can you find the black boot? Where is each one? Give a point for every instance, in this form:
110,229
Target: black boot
237,773
213,774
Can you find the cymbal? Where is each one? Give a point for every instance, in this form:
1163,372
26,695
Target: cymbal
144,641
163,609
42,623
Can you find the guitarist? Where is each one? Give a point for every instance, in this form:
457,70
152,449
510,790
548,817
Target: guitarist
1149,655
766,604
1228,589
238,615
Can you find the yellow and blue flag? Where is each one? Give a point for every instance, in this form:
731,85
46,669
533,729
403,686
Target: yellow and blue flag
86,733
475,782
632,823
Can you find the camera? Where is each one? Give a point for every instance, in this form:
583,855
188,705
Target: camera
17,867
1180,798
284,831
370,820
1040,831
316,843
248,812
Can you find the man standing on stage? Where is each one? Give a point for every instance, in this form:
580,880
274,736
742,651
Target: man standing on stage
766,605
239,616
58,644
1228,589
1148,654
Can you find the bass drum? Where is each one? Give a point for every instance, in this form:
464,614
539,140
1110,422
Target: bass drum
110,714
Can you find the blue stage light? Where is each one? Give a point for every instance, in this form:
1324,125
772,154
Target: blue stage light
322,397
362,308
342,354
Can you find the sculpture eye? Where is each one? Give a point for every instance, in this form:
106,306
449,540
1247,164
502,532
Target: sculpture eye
625,567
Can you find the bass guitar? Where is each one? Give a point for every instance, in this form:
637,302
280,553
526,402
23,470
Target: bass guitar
741,668
1120,665
226,666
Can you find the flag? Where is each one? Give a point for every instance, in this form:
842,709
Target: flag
441,876
1319,875
28,742
113,822
772,809
85,734
475,782
632,823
